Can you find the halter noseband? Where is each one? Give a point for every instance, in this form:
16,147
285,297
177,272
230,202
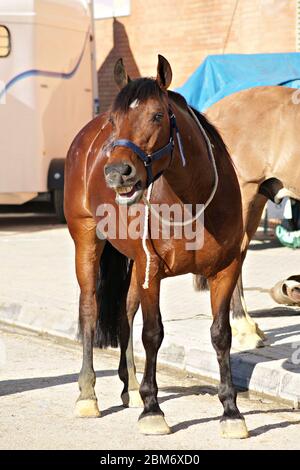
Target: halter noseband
148,159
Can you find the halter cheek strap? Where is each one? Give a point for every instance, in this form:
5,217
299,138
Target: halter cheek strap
148,159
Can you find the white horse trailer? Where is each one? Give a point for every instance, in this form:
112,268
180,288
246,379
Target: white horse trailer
47,93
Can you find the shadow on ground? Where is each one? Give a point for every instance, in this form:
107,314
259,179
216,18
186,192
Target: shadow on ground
12,386
28,218
276,312
264,244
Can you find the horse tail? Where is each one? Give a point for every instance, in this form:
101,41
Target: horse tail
112,287
200,282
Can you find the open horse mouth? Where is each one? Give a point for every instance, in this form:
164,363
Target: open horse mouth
129,194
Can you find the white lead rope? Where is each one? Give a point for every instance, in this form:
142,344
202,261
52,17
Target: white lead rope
144,239
148,205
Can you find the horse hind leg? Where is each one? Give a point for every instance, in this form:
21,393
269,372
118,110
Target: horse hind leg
127,371
246,333
221,287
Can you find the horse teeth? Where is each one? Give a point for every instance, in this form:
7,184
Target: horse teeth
124,190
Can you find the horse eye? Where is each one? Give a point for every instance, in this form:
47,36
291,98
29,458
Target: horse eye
157,117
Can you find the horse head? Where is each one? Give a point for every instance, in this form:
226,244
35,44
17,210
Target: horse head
142,132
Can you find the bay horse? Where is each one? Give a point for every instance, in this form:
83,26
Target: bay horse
150,148
260,127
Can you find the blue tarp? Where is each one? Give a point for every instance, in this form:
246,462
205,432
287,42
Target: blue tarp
222,75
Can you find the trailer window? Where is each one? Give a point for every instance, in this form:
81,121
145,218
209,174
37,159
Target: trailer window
4,41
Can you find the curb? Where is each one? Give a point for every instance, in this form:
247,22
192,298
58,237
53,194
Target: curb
250,370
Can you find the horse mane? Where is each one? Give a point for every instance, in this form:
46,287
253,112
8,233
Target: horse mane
209,128
144,88
140,89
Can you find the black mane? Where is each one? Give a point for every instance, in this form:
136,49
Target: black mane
144,88
140,89
211,130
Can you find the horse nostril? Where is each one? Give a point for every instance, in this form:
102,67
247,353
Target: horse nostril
126,170
122,168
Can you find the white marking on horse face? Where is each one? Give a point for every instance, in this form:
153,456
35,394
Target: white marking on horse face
134,104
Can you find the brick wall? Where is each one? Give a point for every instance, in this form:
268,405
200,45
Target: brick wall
186,31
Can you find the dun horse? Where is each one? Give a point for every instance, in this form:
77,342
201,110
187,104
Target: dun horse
260,128
150,149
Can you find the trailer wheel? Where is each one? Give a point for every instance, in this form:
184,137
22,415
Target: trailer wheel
58,202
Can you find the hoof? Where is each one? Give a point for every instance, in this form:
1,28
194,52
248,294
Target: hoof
132,399
153,424
87,409
246,335
246,341
234,429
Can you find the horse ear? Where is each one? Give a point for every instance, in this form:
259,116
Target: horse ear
120,74
164,73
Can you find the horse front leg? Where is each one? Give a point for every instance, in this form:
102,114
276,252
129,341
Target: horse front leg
88,251
221,287
152,420
127,372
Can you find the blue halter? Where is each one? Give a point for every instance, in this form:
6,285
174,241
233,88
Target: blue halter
148,159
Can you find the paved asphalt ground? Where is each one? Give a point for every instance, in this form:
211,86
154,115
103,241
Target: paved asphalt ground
39,290
38,389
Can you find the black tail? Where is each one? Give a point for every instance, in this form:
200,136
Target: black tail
112,287
113,284
200,282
